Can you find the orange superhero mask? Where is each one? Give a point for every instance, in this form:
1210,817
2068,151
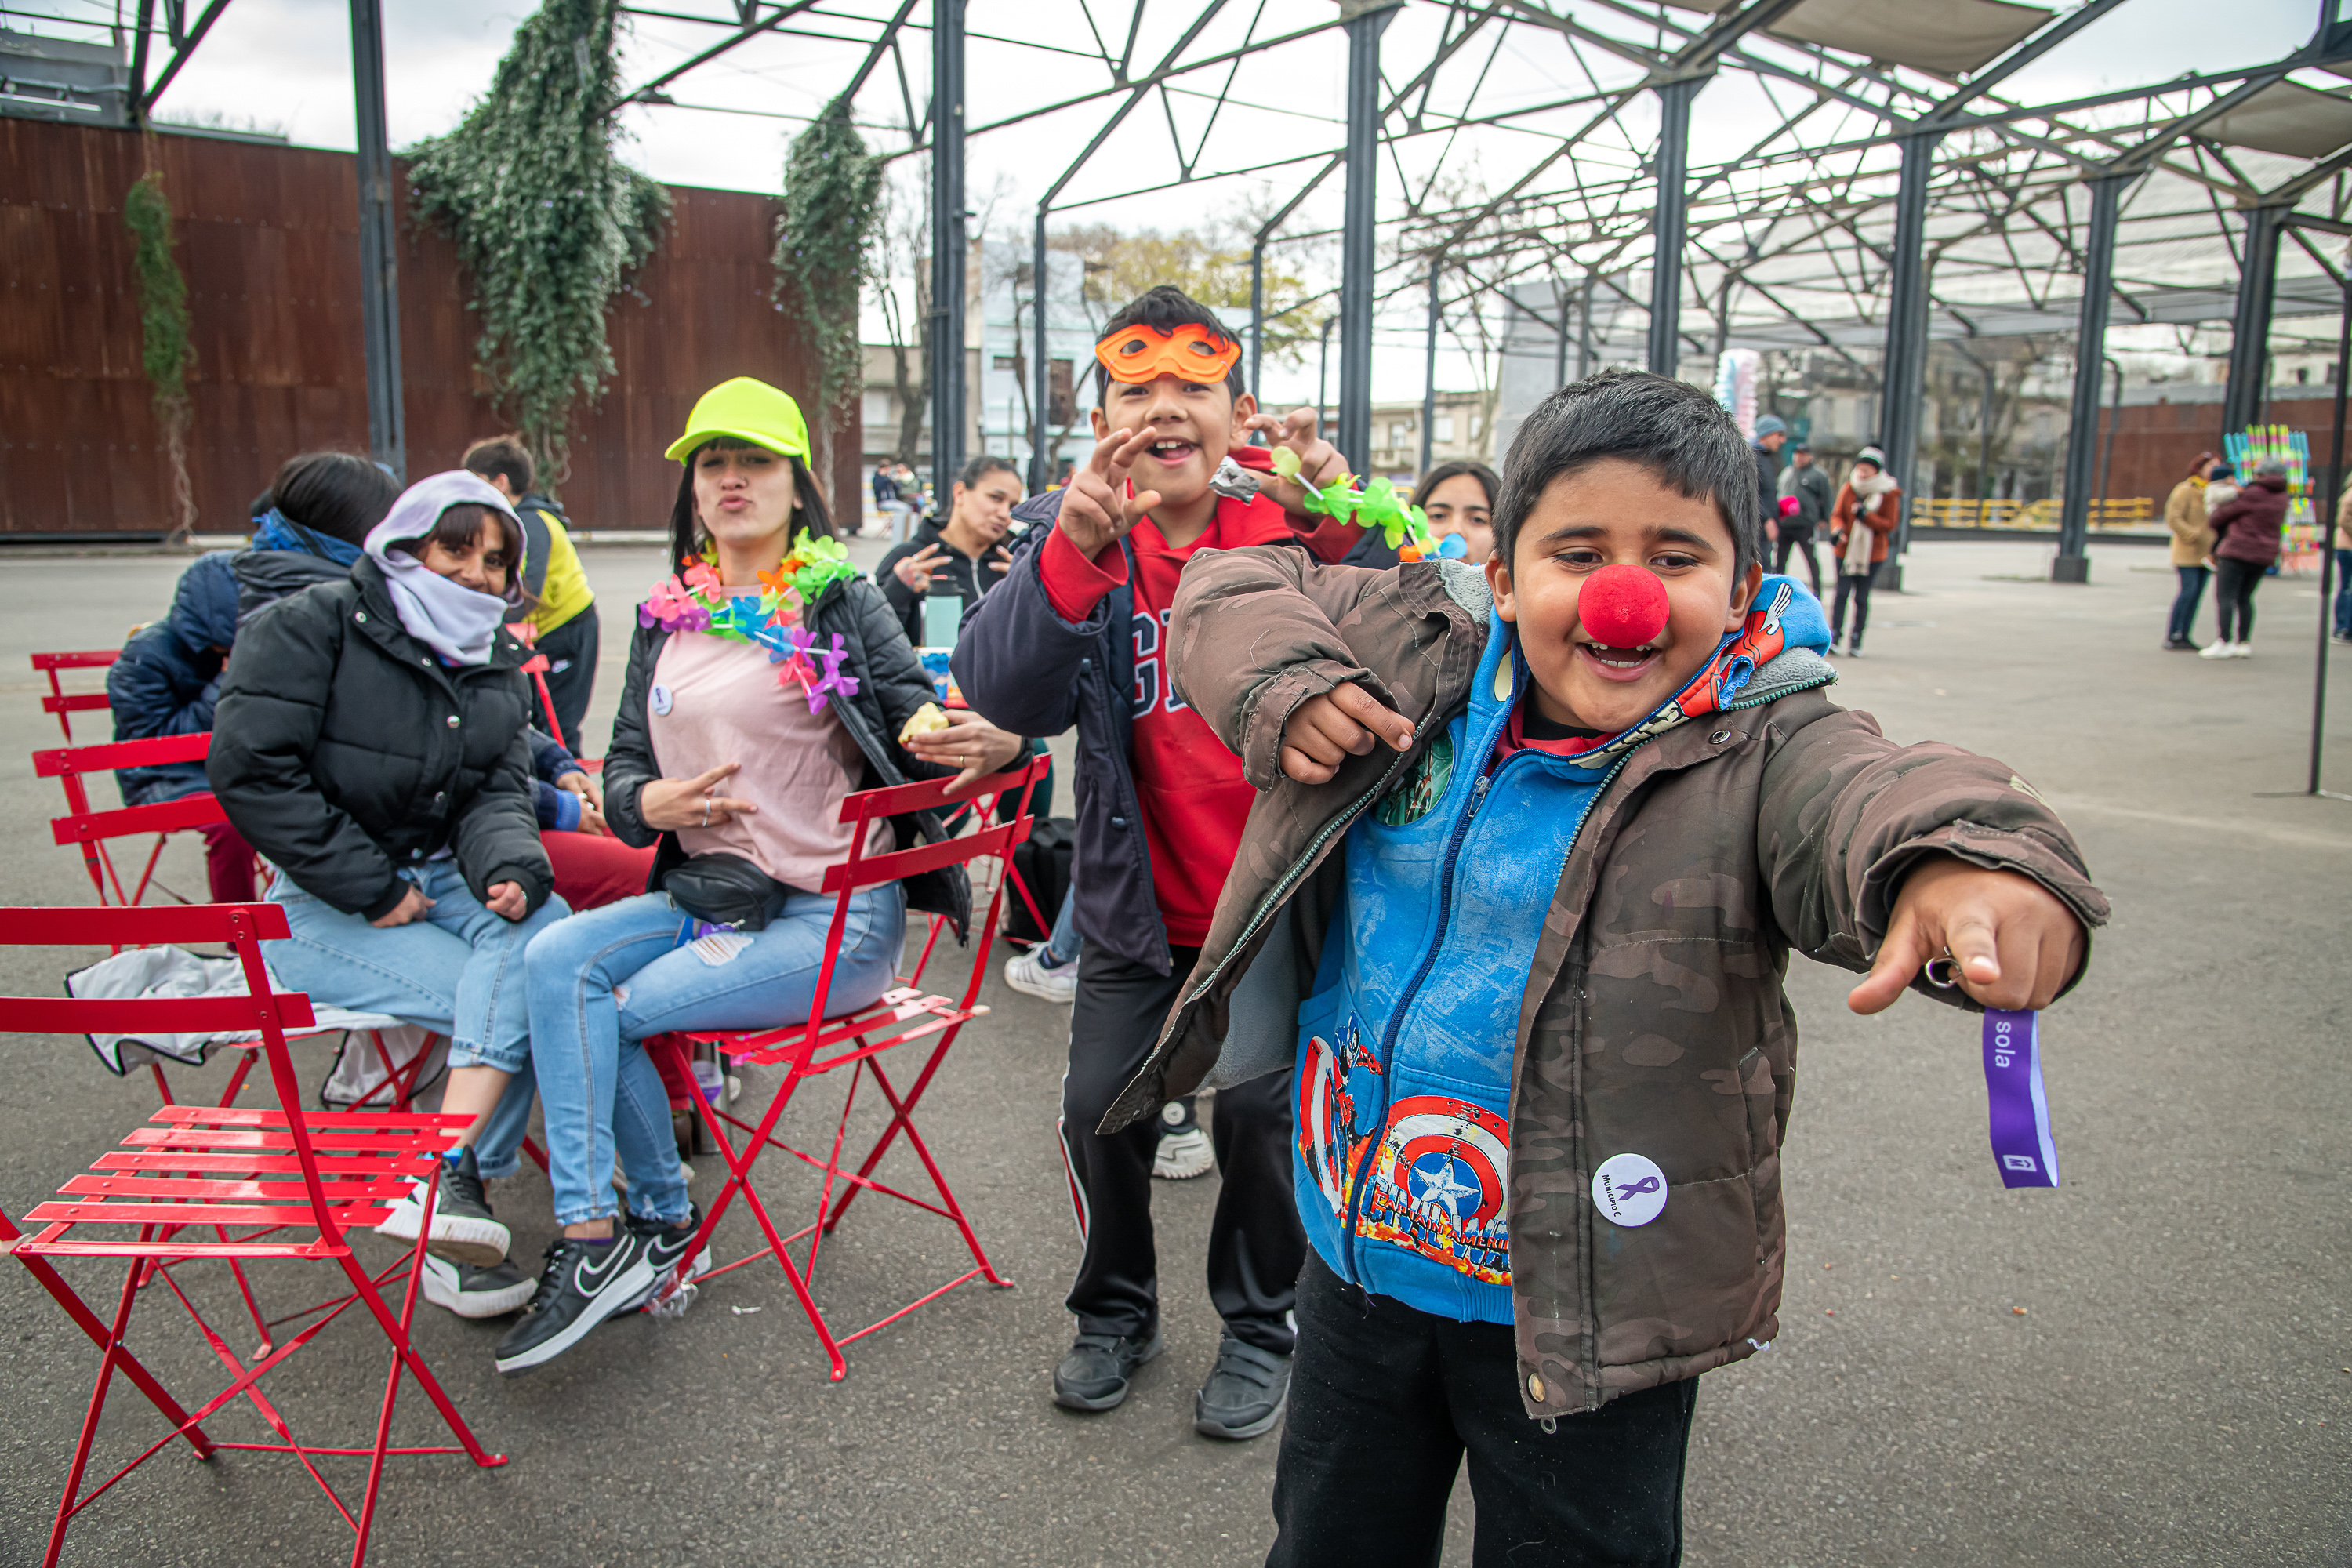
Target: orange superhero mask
1191,353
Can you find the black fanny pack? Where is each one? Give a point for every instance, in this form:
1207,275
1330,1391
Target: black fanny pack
724,889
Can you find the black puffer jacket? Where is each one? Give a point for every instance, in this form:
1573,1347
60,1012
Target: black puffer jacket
344,749
891,685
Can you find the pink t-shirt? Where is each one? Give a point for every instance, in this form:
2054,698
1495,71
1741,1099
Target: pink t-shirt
716,700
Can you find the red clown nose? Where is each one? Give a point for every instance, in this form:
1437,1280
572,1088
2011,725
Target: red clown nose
1622,606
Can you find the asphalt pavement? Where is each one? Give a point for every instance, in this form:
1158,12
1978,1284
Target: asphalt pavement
2149,1365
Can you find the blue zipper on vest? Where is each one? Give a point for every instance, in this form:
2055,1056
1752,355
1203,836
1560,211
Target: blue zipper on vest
1413,988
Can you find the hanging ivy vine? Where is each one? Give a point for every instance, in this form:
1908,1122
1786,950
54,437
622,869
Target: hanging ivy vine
831,205
167,346
548,221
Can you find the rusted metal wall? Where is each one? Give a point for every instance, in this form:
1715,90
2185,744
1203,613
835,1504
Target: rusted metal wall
2156,442
269,238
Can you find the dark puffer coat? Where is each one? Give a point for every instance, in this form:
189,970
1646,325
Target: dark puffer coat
168,677
891,685
343,749
2247,525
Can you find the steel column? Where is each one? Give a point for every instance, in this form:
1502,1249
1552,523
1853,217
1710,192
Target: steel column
947,245
1257,321
1358,257
1559,335
1903,367
2073,562
2249,340
1041,461
2327,584
1429,378
1584,330
1672,227
379,245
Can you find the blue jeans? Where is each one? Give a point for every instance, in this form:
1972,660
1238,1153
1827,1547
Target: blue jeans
2344,593
601,982
1062,947
458,972
2184,603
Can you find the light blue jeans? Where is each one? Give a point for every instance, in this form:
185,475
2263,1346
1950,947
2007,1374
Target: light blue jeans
458,972
601,982
1061,946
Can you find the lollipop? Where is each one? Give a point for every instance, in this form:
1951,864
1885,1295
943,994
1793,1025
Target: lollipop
1622,606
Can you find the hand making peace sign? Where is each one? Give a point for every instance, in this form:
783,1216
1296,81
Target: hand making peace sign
1095,514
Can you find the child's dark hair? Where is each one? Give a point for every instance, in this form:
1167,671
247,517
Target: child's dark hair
506,457
456,528
978,468
338,494
808,501
1670,427
1164,308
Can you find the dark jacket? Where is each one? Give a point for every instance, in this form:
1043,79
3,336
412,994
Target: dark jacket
344,749
168,677
1652,1019
891,685
550,761
2247,525
1815,498
1026,669
1768,485
957,574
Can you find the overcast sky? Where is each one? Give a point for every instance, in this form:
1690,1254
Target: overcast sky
285,65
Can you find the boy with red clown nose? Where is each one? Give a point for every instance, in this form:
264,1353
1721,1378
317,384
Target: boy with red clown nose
1075,635
1541,835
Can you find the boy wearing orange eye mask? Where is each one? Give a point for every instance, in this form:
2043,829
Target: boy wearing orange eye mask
1074,635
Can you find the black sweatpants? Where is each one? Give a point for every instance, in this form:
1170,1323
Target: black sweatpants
571,650
1384,1402
1256,1242
1857,587
2234,583
1800,539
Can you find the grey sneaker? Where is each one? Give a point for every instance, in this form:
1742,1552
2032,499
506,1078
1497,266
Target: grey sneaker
1246,1393
472,1292
1094,1376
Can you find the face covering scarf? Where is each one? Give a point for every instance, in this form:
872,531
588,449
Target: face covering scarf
452,620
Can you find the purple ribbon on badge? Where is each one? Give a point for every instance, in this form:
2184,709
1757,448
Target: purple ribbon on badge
2021,1111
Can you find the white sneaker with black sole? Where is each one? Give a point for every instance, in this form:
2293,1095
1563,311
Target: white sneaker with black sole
472,1292
464,1231
1184,1151
583,1283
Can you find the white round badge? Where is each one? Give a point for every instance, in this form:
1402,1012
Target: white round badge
1629,1189
659,697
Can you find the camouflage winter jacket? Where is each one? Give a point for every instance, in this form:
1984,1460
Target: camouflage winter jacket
1653,1017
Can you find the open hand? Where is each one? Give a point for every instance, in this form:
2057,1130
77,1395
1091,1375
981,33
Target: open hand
583,784
1320,462
2015,943
1324,731
1095,513
969,743
1001,560
507,901
413,906
915,571
672,804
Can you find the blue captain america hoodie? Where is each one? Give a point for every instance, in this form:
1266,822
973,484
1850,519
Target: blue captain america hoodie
1401,1161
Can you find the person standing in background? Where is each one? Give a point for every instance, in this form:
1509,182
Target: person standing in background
2246,531
1459,498
1803,480
2343,632
964,556
562,609
1865,518
2192,549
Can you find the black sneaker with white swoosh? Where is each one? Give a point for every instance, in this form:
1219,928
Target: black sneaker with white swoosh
666,1244
583,1283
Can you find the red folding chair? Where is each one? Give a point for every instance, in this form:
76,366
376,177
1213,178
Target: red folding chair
64,703
857,1040
72,765
205,1184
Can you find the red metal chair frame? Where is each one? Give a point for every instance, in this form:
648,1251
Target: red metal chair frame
91,830
262,1173
64,703
856,1041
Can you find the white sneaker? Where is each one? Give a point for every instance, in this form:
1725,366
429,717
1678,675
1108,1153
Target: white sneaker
1183,1151
2242,650
2218,650
1027,973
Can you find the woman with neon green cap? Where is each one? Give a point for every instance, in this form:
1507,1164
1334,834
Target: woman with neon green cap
768,678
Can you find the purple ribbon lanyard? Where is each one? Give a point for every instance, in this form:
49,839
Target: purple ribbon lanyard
2021,1111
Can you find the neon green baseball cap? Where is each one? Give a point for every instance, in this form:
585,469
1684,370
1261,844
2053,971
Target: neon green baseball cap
748,410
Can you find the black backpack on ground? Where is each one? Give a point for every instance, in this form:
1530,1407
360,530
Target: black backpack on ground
1042,861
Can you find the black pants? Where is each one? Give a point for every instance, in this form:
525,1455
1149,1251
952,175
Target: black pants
2234,583
1858,589
571,650
1799,539
1384,1401
1255,1243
